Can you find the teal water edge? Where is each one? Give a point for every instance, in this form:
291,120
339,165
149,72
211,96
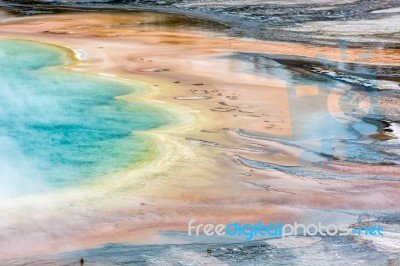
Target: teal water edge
59,127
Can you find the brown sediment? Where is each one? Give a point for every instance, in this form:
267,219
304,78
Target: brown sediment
195,174
193,97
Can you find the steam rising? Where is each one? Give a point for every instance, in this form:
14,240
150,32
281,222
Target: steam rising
59,128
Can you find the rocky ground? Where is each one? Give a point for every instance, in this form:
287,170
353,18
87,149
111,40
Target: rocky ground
361,23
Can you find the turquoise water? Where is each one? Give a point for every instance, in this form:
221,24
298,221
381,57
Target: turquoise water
60,128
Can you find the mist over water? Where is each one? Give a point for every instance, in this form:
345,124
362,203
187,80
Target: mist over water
59,127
